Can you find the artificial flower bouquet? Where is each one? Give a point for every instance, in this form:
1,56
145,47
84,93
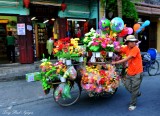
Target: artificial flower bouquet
97,80
57,72
48,74
69,50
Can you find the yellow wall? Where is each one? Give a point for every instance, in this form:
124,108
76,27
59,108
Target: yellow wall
158,36
101,12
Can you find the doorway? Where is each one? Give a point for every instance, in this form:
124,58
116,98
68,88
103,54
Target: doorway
3,49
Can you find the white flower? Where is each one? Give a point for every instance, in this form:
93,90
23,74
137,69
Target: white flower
110,45
92,30
44,60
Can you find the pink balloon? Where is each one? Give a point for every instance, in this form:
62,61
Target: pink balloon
130,30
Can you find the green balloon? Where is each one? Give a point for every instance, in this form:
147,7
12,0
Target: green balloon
105,23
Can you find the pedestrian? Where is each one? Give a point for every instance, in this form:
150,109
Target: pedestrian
10,47
133,77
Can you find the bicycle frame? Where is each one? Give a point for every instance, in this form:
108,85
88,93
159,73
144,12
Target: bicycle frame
147,64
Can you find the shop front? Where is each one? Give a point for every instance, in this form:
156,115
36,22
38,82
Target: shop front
7,23
42,20
9,12
51,21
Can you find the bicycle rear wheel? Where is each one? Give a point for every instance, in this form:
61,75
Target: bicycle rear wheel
153,68
75,92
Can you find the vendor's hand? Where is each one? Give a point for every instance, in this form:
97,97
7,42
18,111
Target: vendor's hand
113,63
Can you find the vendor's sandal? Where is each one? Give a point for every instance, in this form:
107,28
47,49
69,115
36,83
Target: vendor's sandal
131,108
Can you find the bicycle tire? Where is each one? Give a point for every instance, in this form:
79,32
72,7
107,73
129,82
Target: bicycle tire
63,102
154,65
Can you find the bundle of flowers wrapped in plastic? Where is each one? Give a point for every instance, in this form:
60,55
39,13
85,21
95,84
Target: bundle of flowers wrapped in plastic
55,72
95,79
69,50
63,72
48,74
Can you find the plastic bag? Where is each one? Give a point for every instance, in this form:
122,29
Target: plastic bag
66,91
58,91
71,73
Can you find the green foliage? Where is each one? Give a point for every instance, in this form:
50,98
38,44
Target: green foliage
128,8
109,49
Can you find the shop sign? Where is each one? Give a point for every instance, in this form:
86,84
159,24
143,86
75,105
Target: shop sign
3,21
21,29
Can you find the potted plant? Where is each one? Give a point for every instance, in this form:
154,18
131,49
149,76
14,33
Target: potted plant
110,50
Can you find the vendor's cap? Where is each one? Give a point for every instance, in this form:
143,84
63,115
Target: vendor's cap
131,38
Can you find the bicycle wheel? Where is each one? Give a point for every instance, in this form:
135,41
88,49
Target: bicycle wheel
153,68
75,93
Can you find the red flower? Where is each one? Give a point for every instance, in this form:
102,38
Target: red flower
60,47
103,53
102,81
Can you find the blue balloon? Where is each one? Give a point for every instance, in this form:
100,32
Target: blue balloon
117,24
139,30
146,23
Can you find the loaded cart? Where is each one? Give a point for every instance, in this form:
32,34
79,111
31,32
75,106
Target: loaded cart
87,66
98,79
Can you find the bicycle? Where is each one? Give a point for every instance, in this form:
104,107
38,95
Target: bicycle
75,91
150,64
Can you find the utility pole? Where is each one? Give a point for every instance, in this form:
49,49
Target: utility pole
119,5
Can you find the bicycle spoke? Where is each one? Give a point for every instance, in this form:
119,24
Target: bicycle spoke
153,68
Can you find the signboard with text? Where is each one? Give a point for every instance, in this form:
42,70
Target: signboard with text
21,29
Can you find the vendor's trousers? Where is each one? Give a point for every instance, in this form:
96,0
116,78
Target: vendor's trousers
132,84
11,53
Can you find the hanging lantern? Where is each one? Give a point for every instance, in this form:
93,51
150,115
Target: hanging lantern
63,7
26,3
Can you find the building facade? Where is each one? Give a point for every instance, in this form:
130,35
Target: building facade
49,21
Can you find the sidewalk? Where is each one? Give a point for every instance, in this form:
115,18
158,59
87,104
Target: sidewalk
17,71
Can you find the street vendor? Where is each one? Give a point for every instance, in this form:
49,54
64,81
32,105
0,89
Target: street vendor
133,78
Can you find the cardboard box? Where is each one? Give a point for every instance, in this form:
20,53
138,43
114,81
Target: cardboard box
36,76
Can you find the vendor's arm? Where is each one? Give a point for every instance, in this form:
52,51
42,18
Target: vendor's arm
123,60
133,53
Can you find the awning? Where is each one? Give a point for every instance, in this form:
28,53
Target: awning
148,9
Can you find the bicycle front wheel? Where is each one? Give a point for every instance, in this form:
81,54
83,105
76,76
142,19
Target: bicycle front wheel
153,68
75,93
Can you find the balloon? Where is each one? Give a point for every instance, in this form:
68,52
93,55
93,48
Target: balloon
123,33
130,30
117,24
139,30
104,24
136,27
146,23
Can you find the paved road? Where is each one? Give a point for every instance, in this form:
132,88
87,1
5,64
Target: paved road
28,99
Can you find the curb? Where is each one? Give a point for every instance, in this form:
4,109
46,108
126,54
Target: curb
17,71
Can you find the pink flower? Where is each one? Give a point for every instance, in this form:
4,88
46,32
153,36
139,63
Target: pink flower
104,45
95,43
